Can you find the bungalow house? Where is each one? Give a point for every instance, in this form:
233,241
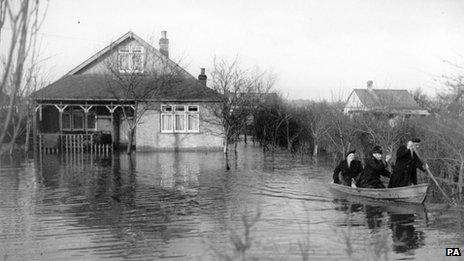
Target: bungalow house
131,83
383,101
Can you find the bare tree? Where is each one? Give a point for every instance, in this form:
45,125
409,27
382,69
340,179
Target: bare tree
137,89
24,19
241,92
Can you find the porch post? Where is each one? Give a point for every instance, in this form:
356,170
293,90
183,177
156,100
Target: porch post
86,110
61,108
111,108
35,126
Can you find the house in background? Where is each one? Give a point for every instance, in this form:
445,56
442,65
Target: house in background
91,100
4,100
394,103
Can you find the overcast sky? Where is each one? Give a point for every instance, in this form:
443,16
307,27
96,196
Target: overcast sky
315,48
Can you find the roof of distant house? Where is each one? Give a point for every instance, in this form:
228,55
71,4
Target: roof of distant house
383,100
4,99
386,98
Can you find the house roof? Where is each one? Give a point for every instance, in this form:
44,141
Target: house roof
76,85
104,87
387,99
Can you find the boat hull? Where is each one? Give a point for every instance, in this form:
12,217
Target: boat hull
410,194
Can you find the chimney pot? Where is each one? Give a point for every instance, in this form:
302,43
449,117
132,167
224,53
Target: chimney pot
202,76
370,85
164,44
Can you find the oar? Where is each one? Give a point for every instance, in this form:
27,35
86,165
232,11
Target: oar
450,201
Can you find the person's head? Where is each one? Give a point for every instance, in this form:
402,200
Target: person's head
350,155
377,152
413,143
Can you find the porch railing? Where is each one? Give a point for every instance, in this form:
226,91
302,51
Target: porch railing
72,143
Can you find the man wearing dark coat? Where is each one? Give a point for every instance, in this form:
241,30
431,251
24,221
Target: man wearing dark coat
407,163
349,168
375,167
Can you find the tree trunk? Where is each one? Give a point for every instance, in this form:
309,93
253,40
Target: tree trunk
289,142
461,179
131,140
315,150
28,130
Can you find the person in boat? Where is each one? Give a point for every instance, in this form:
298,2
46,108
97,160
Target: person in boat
406,165
348,169
374,168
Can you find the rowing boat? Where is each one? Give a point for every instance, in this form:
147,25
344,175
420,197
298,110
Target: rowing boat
410,194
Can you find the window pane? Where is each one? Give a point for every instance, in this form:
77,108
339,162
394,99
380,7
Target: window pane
192,108
123,60
137,64
180,122
166,122
78,120
66,121
180,108
91,121
193,122
166,108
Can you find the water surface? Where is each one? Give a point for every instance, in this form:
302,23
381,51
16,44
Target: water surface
184,206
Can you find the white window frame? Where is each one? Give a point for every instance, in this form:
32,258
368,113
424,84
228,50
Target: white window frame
161,122
185,113
131,50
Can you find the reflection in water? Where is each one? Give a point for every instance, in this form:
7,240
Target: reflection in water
181,205
404,235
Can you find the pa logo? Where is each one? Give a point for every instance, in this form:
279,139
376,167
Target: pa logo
454,251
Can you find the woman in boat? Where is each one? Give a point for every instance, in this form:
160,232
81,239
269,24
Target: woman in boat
407,163
348,169
375,166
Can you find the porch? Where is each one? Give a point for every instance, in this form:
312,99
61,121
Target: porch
81,126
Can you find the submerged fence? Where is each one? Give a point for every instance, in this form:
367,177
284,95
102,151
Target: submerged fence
72,143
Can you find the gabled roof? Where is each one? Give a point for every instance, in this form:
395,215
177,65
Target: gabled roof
103,87
386,99
126,36
383,101
76,85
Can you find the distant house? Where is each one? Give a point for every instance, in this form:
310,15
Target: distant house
89,100
4,100
383,101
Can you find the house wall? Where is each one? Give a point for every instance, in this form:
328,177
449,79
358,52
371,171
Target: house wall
353,104
149,135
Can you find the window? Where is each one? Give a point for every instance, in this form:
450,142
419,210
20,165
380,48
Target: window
78,120
130,59
66,121
193,123
179,122
91,121
166,123
180,118
74,120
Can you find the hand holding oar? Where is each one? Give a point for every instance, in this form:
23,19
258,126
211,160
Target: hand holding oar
450,201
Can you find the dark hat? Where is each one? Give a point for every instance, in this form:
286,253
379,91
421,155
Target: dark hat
377,149
349,152
416,140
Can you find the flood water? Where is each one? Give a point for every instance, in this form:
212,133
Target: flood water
186,206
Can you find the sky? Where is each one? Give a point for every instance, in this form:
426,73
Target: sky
315,49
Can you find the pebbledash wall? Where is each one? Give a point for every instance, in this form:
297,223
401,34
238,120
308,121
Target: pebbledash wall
148,135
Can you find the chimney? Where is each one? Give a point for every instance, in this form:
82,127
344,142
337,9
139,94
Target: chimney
370,85
202,76
164,44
